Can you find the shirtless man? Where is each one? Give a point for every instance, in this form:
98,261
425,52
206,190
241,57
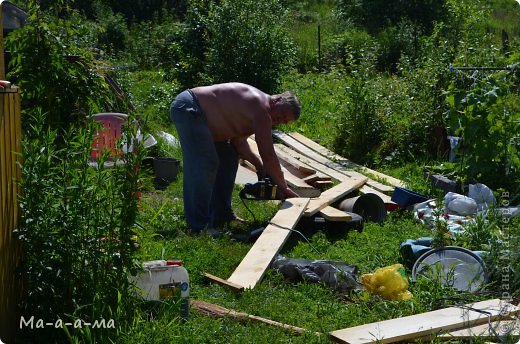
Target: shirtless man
213,123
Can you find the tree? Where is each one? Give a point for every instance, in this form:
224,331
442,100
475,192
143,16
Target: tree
376,15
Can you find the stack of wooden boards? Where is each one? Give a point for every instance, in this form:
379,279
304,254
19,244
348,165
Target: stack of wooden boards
311,170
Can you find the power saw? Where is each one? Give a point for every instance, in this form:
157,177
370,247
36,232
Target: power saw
262,190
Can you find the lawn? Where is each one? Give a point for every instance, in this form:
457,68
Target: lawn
316,307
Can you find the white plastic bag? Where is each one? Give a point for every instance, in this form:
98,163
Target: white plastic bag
482,195
459,204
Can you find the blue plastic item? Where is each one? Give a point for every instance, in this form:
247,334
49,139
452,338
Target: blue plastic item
412,249
405,197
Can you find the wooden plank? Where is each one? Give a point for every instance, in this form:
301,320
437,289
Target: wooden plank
219,311
494,329
386,199
415,326
287,160
3,168
333,194
315,164
316,177
335,215
297,184
245,175
303,149
303,166
322,155
323,184
343,161
330,171
225,283
252,268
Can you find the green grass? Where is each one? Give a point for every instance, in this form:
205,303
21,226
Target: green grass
163,233
311,306
315,307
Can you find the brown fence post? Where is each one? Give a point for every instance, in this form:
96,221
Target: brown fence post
10,174
10,147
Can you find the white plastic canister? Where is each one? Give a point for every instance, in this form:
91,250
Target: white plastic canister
161,279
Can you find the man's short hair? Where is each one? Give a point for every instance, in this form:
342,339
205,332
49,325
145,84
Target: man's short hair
290,98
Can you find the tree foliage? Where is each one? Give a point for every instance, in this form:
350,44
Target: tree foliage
56,75
248,43
376,15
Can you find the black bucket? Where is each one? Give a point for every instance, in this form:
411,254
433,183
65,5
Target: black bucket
166,170
369,206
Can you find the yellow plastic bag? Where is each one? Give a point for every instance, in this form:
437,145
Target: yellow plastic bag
389,282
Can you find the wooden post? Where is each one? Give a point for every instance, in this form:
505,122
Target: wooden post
2,56
10,174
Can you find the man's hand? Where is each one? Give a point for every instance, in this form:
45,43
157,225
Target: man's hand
260,173
288,193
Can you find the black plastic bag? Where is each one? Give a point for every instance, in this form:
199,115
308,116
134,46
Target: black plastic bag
338,275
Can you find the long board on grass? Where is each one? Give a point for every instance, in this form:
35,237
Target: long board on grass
424,324
252,268
219,311
494,329
335,215
341,160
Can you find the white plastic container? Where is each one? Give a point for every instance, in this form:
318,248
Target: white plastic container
162,279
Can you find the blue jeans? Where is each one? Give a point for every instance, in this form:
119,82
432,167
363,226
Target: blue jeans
209,168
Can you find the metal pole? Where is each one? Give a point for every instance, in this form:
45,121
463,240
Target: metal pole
319,47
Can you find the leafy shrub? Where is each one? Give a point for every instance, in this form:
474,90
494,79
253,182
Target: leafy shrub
113,34
395,42
55,73
358,128
376,14
159,48
353,49
190,67
486,117
76,229
248,43
145,10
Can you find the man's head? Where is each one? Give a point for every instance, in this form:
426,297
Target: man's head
285,108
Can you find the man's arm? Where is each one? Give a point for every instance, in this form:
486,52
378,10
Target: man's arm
271,164
244,151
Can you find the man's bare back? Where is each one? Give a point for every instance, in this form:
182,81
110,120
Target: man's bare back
233,110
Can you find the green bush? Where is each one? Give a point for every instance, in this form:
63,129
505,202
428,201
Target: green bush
358,129
486,115
248,43
76,231
353,49
376,15
55,72
190,67
113,33
159,47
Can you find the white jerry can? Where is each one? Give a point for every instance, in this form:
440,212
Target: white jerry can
162,279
